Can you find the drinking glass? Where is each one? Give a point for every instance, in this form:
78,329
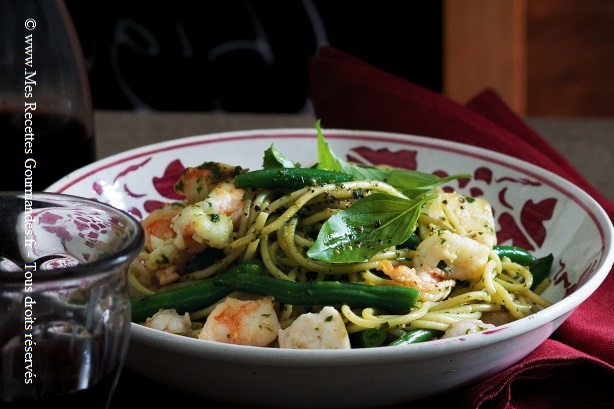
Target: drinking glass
46,113
64,301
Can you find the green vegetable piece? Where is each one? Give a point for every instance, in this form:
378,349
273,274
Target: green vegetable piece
315,293
412,242
275,159
289,178
372,337
541,269
410,182
183,299
415,336
515,254
370,225
192,297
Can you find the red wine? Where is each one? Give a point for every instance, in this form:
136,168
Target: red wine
57,143
96,397
72,368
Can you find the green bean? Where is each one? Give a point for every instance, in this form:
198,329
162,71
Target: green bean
539,267
372,337
289,178
417,335
191,297
515,254
314,293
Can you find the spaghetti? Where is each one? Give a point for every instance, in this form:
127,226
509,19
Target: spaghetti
314,234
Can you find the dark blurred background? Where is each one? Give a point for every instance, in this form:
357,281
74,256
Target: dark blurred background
242,55
545,58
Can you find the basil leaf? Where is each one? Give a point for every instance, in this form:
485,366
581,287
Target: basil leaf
372,224
410,182
275,159
326,158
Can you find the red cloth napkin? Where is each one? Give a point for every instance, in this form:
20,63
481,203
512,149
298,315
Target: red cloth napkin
575,367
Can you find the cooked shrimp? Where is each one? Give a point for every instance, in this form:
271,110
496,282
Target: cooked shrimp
164,264
465,258
323,330
429,281
228,200
465,327
196,183
463,215
195,225
167,274
244,322
175,233
210,221
168,320
157,224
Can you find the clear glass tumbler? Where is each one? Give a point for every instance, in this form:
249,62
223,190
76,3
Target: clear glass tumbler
64,302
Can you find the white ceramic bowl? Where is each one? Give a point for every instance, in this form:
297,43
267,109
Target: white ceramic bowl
538,209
